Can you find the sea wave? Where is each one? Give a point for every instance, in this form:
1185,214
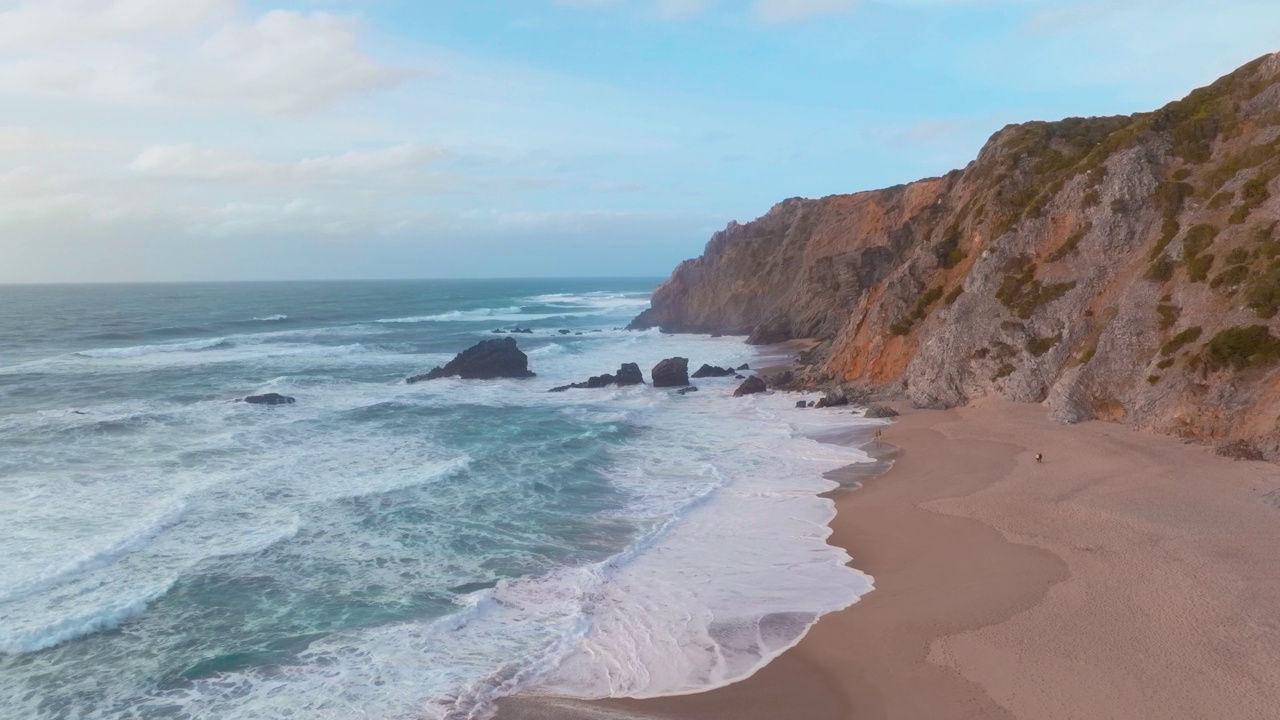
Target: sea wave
129,543
737,508
457,315
272,318
143,350
110,615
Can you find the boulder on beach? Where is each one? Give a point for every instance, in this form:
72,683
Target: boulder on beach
672,372
751,386
485,360
785,380
801,404
880,411
833,399
270,399
739,376
712,371
628,374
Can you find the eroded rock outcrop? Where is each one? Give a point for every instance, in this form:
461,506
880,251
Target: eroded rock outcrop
1118,268
713,371
485,360
750,386
628,374
672,372
877,412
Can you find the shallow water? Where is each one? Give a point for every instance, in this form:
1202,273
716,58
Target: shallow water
379,549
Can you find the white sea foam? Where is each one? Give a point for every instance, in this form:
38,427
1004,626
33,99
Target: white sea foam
131,541
272,318
480,314
141,350
733,570
21,638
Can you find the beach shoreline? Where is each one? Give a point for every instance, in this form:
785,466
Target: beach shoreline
1129,575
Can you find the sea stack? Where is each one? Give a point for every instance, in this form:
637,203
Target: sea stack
485,360
672,372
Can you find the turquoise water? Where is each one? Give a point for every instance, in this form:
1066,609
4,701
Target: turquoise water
379,549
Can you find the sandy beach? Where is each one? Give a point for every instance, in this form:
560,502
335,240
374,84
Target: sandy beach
1128,576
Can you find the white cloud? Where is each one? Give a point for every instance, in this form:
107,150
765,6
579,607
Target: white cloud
781,11
39,24
283,62
189,162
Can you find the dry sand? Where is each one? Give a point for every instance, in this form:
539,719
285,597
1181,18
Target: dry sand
1129,576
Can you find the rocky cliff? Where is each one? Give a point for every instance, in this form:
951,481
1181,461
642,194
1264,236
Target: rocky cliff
1119,268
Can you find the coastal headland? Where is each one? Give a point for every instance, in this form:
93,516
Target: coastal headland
1128,575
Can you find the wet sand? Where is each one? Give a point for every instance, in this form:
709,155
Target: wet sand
1128,576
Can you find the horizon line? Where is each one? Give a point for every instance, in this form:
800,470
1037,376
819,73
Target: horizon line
64,283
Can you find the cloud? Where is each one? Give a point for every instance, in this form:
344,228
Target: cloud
783,11
188,162
39,24
283,62
286,62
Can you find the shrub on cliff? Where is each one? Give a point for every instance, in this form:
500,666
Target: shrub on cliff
1242,347
1181,340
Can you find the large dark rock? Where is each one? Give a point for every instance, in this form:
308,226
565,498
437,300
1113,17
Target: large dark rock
713,371
519,329
751,386
785,380
801,404
629,374
686,391
833,399
672,372
744,366
270,399
484,361
880,411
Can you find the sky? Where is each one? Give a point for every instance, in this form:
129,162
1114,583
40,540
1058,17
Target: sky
174,140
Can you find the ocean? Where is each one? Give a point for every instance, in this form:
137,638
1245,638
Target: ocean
378,549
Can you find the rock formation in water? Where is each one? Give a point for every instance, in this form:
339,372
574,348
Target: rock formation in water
628,374
751,386
672,372
713,371
270,399
1119,268
483,361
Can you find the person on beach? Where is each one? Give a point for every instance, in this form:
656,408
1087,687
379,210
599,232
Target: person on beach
1039,457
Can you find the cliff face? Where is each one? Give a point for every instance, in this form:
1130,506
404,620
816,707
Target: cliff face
1125,268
